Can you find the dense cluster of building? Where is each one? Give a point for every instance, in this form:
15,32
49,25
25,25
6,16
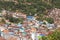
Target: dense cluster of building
30,29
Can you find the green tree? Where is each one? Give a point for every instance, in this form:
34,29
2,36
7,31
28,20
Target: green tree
54,36
49,20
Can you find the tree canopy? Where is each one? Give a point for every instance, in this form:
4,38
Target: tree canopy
30,7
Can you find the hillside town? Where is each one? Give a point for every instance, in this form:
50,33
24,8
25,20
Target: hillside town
30,29
29,19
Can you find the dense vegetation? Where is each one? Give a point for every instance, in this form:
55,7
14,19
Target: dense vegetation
30,7
49,20
53,36
13,19
27,6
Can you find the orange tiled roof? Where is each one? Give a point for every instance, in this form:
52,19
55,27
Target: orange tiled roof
5,31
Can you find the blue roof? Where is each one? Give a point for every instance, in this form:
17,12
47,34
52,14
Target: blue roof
40,22
50,25
30,17
11,33
42,34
